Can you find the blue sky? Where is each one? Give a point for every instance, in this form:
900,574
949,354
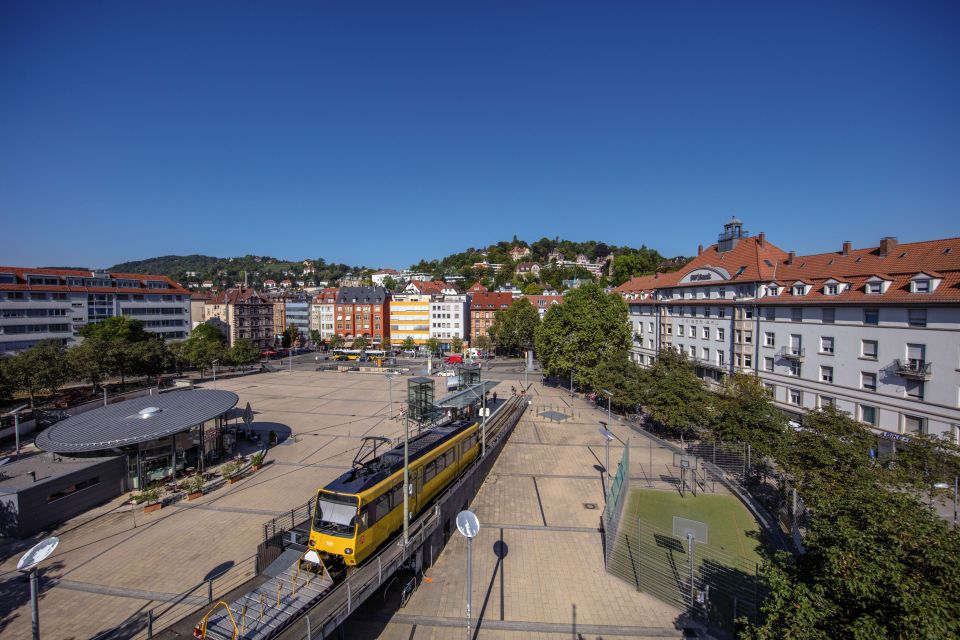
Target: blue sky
381,134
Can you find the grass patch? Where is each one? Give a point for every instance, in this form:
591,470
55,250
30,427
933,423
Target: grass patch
731,527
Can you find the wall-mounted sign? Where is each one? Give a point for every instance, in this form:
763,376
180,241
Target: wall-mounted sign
706,274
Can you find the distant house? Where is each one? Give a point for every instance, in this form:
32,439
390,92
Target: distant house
555,256
477,288
528,268
518,253
270,284
286,284
208,284
379,277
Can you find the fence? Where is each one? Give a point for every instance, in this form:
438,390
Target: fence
615,499
276,532
714,587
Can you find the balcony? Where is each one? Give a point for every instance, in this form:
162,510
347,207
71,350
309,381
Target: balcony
914,369
796,354
710,364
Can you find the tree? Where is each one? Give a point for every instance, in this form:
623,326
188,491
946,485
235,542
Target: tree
514,327
150,357
533,289
482,342
290,336
361,342
745,413
243,352
433,345
386,344
6,384
87,363
409,344
674,396
389,284
623,378
42,367
581,332
456,345
337,341
315,337
205,345
113,339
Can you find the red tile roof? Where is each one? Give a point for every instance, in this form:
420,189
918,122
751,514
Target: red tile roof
477,288
239,296
22,272
486,301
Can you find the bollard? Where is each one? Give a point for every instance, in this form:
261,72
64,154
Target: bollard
309,630
210,591
150,624
279,591
243,620
263,600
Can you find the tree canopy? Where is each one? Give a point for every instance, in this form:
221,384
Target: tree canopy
513,328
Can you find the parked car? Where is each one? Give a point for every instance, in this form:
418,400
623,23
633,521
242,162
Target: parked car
447,373
456,358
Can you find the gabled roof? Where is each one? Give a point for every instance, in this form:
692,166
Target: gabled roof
477,288
238,296
486,301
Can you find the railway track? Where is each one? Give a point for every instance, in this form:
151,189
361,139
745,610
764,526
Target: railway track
301,604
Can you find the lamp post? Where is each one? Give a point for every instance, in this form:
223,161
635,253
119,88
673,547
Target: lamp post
469,526
406,478
609,398
606,467
215,363
16,425
389,377
28,564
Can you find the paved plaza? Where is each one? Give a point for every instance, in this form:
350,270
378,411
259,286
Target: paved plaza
115,563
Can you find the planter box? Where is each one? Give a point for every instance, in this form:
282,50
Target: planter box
257,467
156,506
233,480
194,496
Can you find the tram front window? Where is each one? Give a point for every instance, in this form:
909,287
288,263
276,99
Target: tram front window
336,515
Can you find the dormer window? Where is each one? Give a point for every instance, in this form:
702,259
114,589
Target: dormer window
921,286
830,289
798,289
875,287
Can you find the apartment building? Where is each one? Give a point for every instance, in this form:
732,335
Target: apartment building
410,317
483,308
54,304
297,312
362,311
248,314
450,318
322,312
872,331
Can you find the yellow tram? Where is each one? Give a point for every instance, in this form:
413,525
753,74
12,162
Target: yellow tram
359,511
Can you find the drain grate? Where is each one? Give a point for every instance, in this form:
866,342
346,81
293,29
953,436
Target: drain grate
589,506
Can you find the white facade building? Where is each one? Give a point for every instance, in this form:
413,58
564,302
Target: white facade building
450,317
875,332
54,304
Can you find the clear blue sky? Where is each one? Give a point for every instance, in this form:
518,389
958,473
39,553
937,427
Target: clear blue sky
379,135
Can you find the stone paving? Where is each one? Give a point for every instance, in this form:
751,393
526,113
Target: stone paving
535,510
538,567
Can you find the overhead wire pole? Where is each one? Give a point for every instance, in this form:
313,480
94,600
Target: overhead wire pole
406,478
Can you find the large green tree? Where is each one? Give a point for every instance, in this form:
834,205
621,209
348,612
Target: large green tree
674,396
409,344
583,331
361,342
744,413
337,341
243,352
114,340
514,328
205,345
42,367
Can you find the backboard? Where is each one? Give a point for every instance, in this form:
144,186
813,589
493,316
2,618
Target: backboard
683,526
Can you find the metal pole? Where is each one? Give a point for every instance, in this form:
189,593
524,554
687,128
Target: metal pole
606,472
214,375
406,480
483,427
150,624
608,409
650,468
955,487
390,412
34,605
104,396
571,383
469,584
16,430
690,545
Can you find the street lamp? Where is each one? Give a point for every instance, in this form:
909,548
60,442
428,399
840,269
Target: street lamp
16,425
609,398
215,363
606,468
389,377
28,564
945,485
469,526
406,478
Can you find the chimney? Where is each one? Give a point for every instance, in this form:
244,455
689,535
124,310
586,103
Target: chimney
761,238
847,246
699,249
887,244
791,256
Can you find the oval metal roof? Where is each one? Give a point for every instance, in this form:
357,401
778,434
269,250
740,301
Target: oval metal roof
123,423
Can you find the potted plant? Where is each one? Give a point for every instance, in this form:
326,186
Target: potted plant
194,487
231,471
150,498
256,460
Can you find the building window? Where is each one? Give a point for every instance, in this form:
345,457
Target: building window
795,368
868,349
693,351
680,331
913,424
722,312
874,287
770,313
796,314
706,354
868,414
826,374
871,316
771,389
826,345
706,333
768,364
798,290
914,389
829,316
769,339
747,360
827,401
720,358
830,289
720,333
921,286
795,397
868,381
748,337
917,317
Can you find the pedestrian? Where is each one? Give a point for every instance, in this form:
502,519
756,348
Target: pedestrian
494,397
513,390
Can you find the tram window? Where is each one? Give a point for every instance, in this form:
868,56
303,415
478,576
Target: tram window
396,496
429,471
380,508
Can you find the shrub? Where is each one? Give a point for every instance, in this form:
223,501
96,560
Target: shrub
194,484
230,469
147,496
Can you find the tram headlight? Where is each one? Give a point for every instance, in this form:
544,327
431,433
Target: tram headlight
312,542
348,551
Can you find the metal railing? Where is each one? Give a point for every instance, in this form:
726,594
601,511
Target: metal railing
914,368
